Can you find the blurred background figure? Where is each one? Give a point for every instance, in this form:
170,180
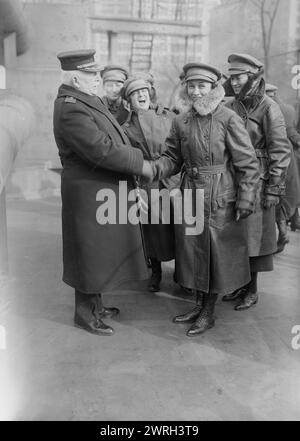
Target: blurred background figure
113,77
147,127
287,210
265,124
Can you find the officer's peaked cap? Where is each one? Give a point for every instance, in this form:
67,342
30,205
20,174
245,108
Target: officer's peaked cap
79,60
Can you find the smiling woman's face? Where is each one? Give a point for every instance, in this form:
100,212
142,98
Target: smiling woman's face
140,99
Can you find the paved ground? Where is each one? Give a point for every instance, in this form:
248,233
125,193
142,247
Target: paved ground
243,369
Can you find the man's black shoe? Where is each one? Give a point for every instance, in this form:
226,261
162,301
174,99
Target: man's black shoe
94,326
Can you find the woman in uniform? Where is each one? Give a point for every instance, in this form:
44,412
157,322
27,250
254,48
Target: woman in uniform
211,143
147,128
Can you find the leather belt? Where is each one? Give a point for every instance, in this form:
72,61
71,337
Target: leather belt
194,172
217,170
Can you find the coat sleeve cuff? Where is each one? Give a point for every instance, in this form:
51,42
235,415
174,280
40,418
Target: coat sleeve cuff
275,186
135,161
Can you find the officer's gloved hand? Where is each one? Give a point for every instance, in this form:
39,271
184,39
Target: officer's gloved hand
242,213
270,200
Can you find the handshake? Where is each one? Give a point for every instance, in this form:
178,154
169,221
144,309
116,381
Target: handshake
148,171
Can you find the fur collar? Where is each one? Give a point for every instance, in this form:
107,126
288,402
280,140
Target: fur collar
204,105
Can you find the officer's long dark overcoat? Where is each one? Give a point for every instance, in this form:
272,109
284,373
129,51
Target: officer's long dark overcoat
96,155
266,127
219,159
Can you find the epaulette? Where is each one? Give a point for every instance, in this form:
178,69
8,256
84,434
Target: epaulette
70,99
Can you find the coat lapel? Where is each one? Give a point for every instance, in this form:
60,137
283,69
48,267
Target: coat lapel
94,102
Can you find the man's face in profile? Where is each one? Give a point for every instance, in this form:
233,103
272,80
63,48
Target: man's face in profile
87,82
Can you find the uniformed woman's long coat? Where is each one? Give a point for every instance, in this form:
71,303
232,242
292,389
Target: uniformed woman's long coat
219,159
96,156
147,131
266,127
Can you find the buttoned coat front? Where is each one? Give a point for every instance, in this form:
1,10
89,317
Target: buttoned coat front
96,157
219,160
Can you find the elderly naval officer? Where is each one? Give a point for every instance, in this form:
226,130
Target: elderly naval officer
95,154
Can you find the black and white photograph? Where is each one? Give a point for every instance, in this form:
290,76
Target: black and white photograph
149,214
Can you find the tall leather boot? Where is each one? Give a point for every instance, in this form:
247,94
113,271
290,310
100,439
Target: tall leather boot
104,311
206,319
250,298
295,221
282,236
87,315
194,313
156,275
